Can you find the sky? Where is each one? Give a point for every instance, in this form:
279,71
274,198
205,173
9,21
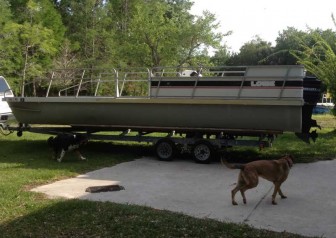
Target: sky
266,18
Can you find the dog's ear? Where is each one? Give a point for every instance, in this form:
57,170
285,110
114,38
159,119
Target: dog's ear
290,160
290,156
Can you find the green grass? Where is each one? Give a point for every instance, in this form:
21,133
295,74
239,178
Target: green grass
322,149
287,143
26,162
326,120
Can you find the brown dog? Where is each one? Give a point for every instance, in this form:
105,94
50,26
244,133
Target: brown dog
275,171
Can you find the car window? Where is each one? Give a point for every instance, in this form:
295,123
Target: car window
4,87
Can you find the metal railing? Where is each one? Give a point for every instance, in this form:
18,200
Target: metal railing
137,82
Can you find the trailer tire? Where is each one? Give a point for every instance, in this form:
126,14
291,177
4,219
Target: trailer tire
203,152
165,149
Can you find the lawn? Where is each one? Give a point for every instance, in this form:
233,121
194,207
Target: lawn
26,162
322,149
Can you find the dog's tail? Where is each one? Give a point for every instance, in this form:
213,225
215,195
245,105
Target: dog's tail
232,166
50,141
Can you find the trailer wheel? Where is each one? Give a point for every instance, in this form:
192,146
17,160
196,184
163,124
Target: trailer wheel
202,152
165,149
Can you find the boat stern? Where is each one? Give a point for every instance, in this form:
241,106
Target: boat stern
311,96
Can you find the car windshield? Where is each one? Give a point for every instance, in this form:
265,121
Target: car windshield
4,87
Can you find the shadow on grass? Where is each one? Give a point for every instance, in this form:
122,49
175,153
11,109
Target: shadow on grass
77,218
36,154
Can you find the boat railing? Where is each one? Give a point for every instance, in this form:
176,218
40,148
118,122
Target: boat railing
85,82
242,84
110,83
227,82
78,86
134,83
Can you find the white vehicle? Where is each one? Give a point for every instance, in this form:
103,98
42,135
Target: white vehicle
5,91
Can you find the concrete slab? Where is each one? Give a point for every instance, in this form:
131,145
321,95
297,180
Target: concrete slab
205,191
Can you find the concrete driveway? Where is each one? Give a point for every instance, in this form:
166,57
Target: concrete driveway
204,191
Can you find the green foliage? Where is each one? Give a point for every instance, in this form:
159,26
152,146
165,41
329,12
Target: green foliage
197,35
32,47
29,41
88,27
289,39
37,35
254,52
5,13
39,12
221,56
320,60
171,36
66,57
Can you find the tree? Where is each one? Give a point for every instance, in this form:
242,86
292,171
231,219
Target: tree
200,35
67,56
35,44
90,25
221,56
254,52
8,64
5,13
162,33
29,46
320,60
319,56
39,12
5,18
104,33
286,41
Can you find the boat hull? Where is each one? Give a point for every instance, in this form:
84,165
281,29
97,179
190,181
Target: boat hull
145,113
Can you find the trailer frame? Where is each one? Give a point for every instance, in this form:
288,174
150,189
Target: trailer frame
203,143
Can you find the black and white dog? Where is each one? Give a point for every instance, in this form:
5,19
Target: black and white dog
67,142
